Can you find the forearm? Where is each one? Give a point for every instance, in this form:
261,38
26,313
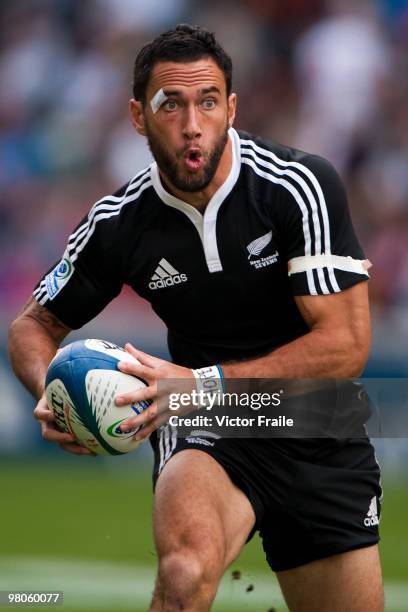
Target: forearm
31,350
318,354
34,338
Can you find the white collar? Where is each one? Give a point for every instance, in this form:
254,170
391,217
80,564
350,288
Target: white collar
206,224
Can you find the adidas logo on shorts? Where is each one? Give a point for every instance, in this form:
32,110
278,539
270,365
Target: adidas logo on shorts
166,276
372,514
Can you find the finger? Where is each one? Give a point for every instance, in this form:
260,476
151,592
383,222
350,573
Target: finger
149,428
144,358
140,371
44,415
42,403
144,433
133,397
76,449
51,434
141,419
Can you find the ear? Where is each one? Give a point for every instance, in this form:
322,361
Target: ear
232,108
137,116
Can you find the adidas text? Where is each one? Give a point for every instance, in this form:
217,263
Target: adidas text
168,282
369,522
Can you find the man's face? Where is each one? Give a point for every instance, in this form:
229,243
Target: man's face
188,133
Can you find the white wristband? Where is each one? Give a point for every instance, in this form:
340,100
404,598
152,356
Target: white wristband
209,380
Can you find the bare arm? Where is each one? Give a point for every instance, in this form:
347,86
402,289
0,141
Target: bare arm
336,346
33,341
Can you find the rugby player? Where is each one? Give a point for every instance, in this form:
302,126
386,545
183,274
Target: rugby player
246,250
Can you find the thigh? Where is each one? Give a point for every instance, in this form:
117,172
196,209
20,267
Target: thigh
198,507
347,582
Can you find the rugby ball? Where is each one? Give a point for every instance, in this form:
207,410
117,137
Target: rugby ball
81,385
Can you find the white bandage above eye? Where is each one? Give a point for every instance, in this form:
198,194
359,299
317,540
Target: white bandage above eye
157,100
313,262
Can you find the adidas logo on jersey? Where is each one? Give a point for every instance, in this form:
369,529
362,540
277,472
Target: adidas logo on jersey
166,276
372,514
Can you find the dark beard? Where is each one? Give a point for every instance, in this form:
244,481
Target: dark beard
168,164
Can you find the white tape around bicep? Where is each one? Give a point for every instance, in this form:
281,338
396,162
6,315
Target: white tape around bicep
157,100
338,262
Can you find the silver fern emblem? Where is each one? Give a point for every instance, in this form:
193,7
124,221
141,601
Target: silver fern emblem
257,246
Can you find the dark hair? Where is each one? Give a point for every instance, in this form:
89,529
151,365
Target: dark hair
185,43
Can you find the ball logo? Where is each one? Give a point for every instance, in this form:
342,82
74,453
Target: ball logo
115,431
111,345
59,400
111,349
140,406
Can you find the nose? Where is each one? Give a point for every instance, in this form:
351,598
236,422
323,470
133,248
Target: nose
191,128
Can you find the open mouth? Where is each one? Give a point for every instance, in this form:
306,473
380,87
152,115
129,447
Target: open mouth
193,159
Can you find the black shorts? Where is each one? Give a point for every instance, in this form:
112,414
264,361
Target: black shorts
312,498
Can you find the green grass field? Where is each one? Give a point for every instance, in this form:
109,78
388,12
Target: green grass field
83,526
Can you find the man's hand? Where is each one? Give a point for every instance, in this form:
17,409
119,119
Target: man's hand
51,433
151,370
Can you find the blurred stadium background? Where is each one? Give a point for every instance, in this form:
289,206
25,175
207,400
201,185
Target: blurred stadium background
328,76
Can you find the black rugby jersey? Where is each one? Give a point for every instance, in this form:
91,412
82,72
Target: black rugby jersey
224,281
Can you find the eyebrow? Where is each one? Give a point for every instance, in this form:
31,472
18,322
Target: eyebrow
212,89
205,90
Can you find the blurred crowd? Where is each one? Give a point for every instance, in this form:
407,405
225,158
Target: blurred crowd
327,76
